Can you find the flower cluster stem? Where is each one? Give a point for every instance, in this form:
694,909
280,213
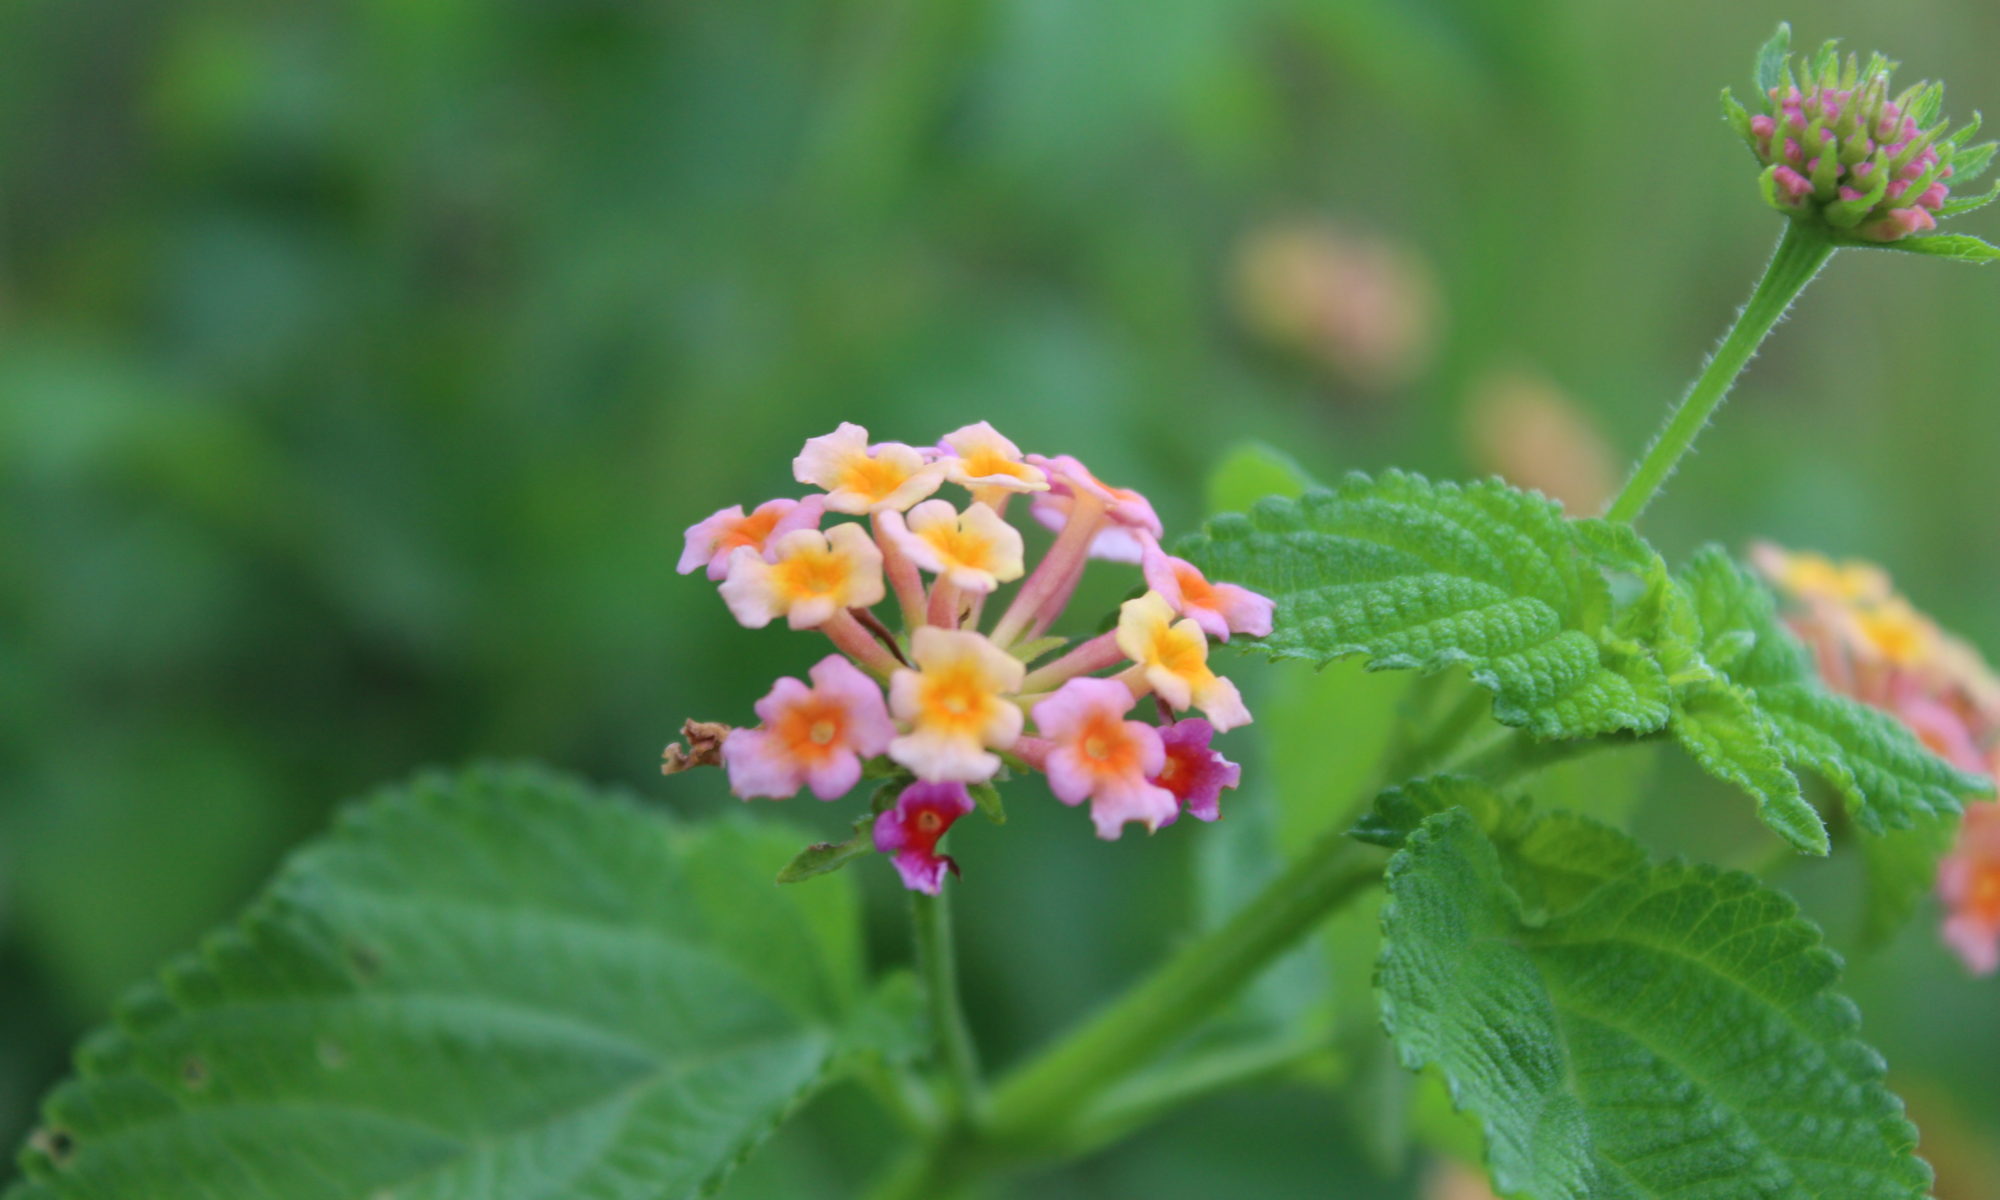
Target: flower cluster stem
1801,252
1033,1106
937,967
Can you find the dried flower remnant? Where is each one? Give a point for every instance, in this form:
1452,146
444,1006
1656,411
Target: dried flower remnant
1872,644
959,696
1844,153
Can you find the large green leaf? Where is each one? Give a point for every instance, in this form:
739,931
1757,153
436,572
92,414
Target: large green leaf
1414,574
1669,1035
494,984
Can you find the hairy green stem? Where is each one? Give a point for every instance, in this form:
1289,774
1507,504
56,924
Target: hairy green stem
1801,252
937,967
1032,1106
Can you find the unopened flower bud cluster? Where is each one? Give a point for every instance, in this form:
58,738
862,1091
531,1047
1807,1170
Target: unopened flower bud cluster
1841,149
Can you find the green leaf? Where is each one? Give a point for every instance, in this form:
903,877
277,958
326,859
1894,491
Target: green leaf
822,857
987,797
1720,726
1774,700
1886,776
1770,71
1419,575
1252,471
1958,247
1902,867
1965,204
1672,1034
489,984
1738,117
1971,162
1553,859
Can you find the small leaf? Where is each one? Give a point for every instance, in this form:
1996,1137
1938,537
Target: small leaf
1966,204
1770,71
821,857
1885,775
1738,117
987,797
1028,652
1398,811
1412,574
1971,162
1670,1034
1902,868
1553,858
1958,247
1252,471
481,984
1888,778
1721,727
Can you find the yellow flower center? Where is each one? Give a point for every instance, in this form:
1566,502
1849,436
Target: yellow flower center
984,464
955,700
957,545
813,573
1185,656
928,821
871,477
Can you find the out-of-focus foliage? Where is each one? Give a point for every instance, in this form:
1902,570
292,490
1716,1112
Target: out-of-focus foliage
361,362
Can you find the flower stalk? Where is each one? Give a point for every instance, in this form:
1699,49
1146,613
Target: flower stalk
1801,252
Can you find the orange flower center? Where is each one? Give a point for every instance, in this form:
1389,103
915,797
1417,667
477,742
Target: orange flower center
1106,747
1196,592
813,573
813,729
750,531
1982,900
928,821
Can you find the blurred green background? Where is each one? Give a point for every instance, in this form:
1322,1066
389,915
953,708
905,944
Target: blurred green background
361,363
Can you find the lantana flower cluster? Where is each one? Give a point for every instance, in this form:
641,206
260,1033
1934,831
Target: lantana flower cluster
1839,148
971,682
1870,643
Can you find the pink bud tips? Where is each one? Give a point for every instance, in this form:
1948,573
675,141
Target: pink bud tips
811,737
909,832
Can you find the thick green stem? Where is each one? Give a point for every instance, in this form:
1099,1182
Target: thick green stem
937,966
1801,252
1031,1107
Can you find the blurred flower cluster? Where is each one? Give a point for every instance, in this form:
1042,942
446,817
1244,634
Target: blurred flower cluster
1870,643
948,703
